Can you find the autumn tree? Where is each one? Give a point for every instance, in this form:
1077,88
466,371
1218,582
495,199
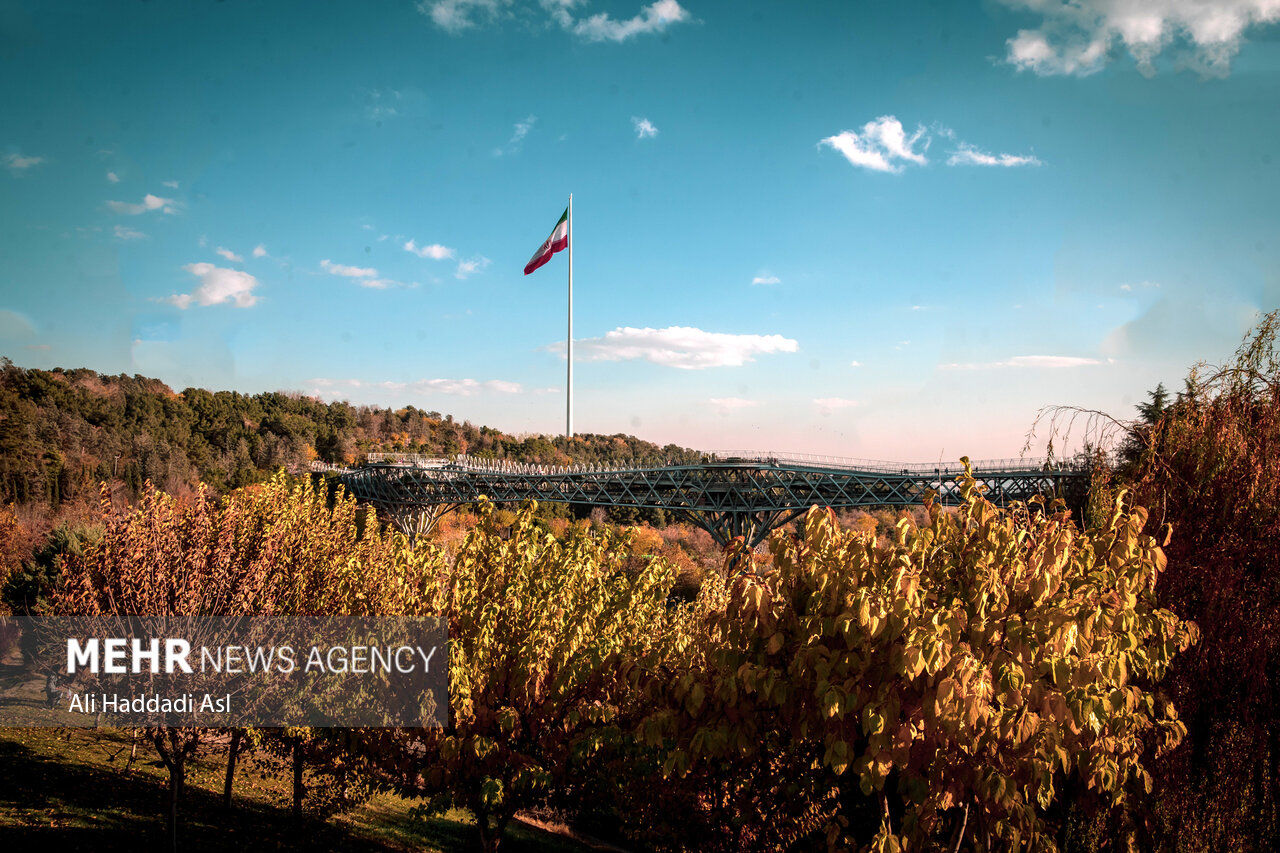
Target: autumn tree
1210,467
211,570
539,628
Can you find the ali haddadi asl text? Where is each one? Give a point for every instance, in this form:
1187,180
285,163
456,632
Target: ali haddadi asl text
112,703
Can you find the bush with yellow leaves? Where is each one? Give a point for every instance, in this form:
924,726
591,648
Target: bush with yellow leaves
938,688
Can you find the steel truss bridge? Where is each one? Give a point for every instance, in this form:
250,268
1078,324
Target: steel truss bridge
733,495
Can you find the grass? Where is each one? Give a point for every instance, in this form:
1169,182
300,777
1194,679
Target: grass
68,789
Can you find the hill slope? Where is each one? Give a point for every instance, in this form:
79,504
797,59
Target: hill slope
63,431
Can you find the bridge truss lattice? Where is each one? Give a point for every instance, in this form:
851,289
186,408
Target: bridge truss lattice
730,496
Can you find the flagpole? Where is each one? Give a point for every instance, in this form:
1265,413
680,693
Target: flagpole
568,417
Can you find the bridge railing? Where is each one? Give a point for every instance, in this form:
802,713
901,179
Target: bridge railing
467,463
420,460
881,466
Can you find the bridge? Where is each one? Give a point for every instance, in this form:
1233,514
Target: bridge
730,495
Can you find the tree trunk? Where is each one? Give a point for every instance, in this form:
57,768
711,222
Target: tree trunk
177,777
964,822
492,828
297,780
232,751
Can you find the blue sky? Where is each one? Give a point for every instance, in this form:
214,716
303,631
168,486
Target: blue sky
874,230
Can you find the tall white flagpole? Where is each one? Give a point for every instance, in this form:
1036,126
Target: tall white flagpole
568,416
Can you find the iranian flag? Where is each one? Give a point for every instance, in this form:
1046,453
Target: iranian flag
557,242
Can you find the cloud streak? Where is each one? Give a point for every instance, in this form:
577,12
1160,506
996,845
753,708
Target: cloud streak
518,133
123,232
828,405
682,347
1050,362
967,155
459,16
347,271
884,145
18,163
726,405
452,387
363,276
149,203
654,18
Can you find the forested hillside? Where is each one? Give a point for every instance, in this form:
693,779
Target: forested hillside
63,431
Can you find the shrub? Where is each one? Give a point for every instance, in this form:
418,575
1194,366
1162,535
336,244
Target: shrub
946,684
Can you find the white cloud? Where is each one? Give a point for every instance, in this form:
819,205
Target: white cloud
645,129
462,387
113,178
855,364
766,278
827,405
1030,50
173,185
259,251
1141,285
882,145
456,387
435,251
471,266
382,105
678,346
967,155
149,202
18,163
725,405
457,16
217,285
454,16
364,276
654,18
519,131
1036,361
229,255
125,233
346,271
1080,36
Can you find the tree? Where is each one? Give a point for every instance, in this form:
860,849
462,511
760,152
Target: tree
199,569
539,629
1212,471
1137,438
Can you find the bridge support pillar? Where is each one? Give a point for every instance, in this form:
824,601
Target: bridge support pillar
751,527
414,521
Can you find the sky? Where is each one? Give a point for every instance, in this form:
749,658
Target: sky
874,230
